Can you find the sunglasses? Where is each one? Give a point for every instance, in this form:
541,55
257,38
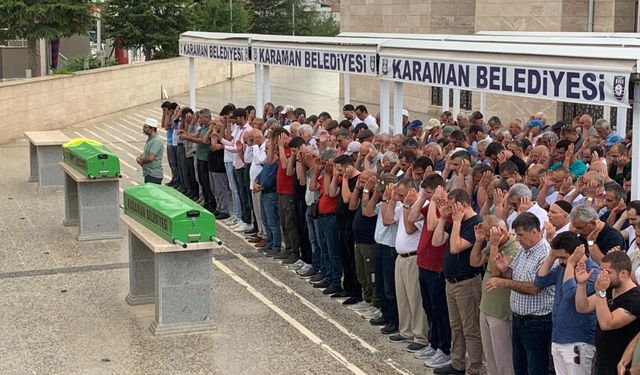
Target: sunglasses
576,350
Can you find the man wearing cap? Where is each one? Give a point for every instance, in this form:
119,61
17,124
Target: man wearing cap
405,121
151,158
364,116
535,130
288,115
414,130
352,149
432,131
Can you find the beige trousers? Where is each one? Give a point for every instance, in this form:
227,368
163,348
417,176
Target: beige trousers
412,319
496,343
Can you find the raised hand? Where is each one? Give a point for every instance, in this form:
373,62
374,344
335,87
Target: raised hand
566,185
465,167
371,183
486,179
480,236
502,261
495,236
569,154
348,172
499,198
525,204
577,255
581,273
388,192
411,197
550,229
603,281
547,179
457,212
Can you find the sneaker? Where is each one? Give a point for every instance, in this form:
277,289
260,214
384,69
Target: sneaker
448,370
317,278
352,301
425,353
389,329
272,253
307,269
297,265
361,306
251,231
415,346
290,260
332,289
234,224
341,295
231,220
378,321
322,285
242,227
282,256
438,360
398,339
222,216
372,313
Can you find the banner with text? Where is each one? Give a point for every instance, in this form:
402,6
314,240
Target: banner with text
214,51
579,86
334,61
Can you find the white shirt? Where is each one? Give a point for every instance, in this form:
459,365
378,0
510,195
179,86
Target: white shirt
371,124
540,213
563,229
258,156
406,243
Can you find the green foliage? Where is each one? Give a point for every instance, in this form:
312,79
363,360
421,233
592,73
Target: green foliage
153,25
77,64
214,16
48,19
280,16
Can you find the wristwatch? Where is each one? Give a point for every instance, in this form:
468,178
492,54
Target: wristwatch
601,293
591,242
366,191
406,206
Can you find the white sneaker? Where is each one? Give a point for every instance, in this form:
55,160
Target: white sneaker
242,227
372,313
229,221
360,306
425,353
236,225
304,269
438,360
297,265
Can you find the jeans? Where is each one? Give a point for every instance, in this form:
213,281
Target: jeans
153,180
531,344
203,174
172,156
314,235
330,251
235,198
245,209
272,220
181,160
385,282
434,303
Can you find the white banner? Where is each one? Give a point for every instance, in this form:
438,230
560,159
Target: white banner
214,51
334,61
578,86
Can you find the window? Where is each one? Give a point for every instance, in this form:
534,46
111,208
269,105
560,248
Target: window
465,98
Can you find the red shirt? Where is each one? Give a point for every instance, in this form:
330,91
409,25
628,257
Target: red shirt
284,183
429,257
326,204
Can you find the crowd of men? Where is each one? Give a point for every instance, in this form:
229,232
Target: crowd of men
477,244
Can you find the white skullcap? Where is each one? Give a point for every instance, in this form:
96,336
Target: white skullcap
151,122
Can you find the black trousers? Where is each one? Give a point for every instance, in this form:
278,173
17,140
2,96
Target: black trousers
350,282
153,180
243,192
203,175
189,172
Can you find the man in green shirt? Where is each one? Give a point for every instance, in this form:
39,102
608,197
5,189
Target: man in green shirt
151,158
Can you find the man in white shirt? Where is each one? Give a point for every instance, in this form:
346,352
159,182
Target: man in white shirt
558,219
519,200
363,115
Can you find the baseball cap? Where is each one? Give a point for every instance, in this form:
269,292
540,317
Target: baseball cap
613,139
352,148
384,180
360,126
537,123
405,112
152,123
448,129
434,122
365,134
287,108
271,121
415,124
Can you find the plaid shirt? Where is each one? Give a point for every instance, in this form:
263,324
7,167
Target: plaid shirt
524,268
385,234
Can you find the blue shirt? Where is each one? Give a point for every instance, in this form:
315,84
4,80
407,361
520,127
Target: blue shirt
169,137
570,326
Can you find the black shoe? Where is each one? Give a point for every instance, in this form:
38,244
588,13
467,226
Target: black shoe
222,216
290,260
332,289
170,184
317,278
251,231
309,274
282,256
389,329
448,370
322,285
378,321
342,294
398,338
181,189
414,347
352,301
272,253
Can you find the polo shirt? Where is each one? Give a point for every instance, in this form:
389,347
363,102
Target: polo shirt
153,146
405,243
284,183
609,238
495,303
457,265
326,204
385,234
364,228
429,257
202,150
540,213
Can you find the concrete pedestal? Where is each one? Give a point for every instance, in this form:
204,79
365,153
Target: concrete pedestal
45,152
92,205
177,280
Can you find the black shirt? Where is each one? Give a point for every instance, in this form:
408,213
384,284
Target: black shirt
215,160
344,215
611,344
457,265
364,228
609,238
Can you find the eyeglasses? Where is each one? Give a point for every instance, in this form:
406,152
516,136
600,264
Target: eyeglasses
576,350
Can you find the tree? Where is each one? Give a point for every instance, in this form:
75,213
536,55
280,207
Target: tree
214,16
286,16
153,25
38,19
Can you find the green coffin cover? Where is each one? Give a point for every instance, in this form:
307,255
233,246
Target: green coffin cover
91,158
169,213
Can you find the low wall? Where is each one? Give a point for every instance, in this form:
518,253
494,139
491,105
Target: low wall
54,102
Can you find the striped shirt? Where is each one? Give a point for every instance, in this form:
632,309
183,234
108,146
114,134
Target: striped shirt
524,268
